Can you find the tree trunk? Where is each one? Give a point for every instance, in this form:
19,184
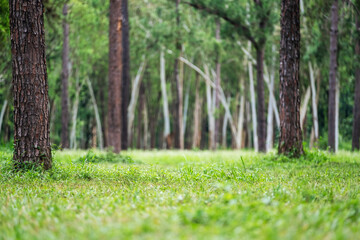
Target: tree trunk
197,116
290,142
314,103
115,76
272,108
133,100
356,121
126,74
211,118
261,121
186,107
30,87
165,100
97,115
2,113
332,75
64,82
74,116
241,117
303,108
253,106
146,123
217,86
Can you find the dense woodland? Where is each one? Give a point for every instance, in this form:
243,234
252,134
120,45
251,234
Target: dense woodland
193,74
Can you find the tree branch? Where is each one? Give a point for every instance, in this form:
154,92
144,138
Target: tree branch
244,29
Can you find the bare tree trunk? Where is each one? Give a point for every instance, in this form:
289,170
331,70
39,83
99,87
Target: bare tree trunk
290,142
146,124
271,108
133,100
314,103
356,112
97,115
74,115
332,76
165,99
303,107
197,116
241,117
211,118
217,85
261,121
253,106
337,105
30,87
64,82
178,111
126,74
115,76
186,107
224,128
180,89
2,114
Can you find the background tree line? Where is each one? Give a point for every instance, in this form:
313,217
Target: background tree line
203,74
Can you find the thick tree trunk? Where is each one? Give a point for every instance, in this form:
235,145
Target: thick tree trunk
115,76
356,121
64,82
261,121
290,142
217,85
332,75
30,87
126,74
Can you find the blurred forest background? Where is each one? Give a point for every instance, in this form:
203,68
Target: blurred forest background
174,46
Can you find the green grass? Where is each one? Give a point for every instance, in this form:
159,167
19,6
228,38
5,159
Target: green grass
183,195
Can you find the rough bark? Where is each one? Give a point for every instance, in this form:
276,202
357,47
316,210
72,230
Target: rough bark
115,76
356,121
30,87
332,75
217,86
290,142
64,82
126,74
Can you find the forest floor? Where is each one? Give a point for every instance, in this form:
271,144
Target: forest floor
182,195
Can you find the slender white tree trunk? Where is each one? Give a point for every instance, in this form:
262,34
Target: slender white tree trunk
271,108
186,107
97,115
2,113
253,103
210,110
74,117
314,104
164,97
134,99
225,124
303,108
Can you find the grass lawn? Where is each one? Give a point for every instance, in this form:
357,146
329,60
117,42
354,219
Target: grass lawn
182,195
